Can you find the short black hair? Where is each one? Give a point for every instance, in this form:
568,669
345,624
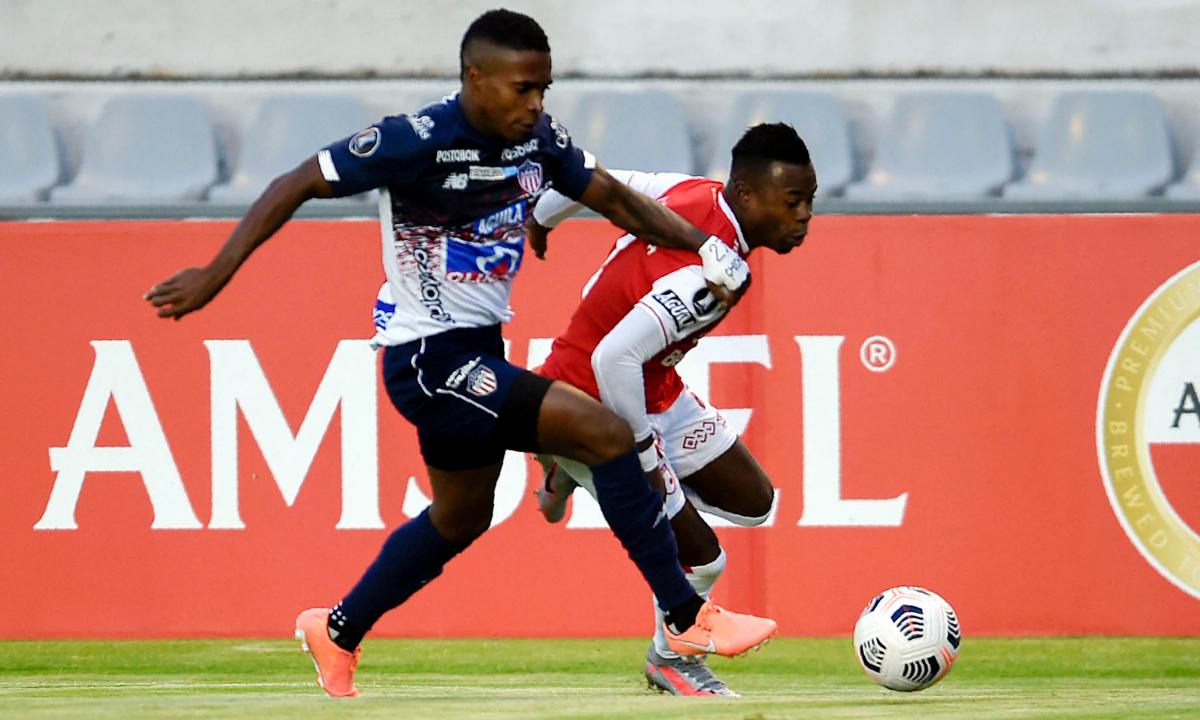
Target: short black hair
504,28
766,143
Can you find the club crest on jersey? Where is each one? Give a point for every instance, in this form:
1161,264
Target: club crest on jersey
365,143
529,176
676,307
481,381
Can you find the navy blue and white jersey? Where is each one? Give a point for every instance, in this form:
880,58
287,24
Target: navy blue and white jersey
452,206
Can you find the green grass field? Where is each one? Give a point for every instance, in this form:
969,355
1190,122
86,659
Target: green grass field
790,678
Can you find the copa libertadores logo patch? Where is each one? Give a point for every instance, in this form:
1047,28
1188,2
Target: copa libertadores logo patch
1148,429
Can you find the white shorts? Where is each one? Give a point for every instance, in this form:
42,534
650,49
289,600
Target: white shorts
693,434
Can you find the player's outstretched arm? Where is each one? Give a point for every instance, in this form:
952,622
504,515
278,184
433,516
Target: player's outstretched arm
553,207
639,215
192,288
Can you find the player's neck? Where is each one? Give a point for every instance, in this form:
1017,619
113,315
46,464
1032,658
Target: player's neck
473,114
732,201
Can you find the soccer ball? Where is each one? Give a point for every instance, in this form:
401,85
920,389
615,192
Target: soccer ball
907,638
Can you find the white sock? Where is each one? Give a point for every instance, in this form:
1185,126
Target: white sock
702,578
739,520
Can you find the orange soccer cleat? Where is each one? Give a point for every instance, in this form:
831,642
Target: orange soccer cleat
335,666
721,631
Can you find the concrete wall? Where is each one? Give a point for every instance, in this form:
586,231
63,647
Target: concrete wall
618,38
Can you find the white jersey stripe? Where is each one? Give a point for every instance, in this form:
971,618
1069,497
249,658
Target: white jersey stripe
325,160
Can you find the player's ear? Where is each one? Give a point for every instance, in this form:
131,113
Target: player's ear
741,188
470,75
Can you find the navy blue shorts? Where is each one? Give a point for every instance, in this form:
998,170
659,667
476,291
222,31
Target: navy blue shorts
468,403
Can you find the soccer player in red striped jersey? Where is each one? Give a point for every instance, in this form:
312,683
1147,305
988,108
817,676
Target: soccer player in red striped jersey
642,311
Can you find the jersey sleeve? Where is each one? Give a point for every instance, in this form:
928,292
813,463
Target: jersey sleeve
654,184
389,152
554,207
682,304
617,365
677,306
570,167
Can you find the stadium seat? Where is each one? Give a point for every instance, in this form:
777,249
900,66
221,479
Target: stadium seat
29,160
145,149
1189,187
939,146
636,130
285,130
817,117
1100,145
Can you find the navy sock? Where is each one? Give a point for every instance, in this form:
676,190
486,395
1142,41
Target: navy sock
683,616
635,512
413,555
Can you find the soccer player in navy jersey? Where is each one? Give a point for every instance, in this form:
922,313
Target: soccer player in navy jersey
457,179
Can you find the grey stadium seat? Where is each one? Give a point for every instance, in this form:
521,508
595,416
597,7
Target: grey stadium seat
1189,187
284,131
1099,145
939,146
635,130
817,117
29,160
145,149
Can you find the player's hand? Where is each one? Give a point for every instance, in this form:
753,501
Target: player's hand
724,270
537,235
662,477
184,292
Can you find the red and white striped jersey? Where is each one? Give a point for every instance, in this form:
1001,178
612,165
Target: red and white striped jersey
645,307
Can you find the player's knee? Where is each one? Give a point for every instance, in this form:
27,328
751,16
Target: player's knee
460,519
761,501
605,436
751,508
465,528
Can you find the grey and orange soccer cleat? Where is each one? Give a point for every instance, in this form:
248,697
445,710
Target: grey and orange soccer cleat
683,676
553,493
721,631
335,666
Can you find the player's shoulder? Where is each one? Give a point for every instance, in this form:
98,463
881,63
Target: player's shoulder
552,133
698,199
432,126
695,189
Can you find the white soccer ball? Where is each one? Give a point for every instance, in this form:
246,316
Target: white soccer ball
907,638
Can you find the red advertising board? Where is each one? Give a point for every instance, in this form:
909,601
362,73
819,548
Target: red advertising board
1002,409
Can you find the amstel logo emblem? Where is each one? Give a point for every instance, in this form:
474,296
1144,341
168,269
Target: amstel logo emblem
1148,429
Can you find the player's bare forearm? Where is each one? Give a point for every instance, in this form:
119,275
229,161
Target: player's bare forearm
640,215
192,288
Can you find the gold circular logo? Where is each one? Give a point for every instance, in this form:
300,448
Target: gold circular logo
1149,405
